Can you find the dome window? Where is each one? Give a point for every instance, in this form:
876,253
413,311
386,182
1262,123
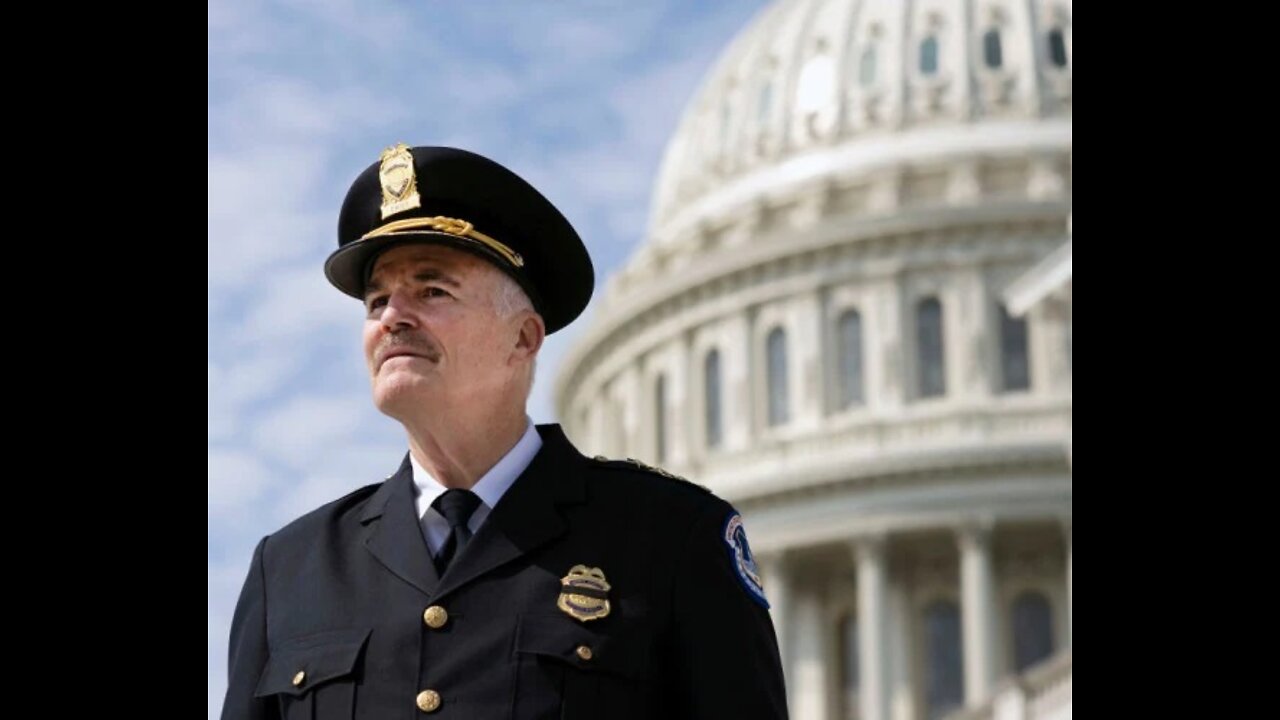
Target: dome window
944,664
725,117
1032,630
659,419
815,87
776,362
929,56
929,348
991,51
1014,366
849,332
867,67
764,105
711,398
1057,48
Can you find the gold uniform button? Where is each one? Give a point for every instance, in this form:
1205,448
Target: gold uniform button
428,701
435,617
297,679
584,652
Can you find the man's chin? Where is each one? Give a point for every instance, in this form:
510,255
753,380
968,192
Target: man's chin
393,397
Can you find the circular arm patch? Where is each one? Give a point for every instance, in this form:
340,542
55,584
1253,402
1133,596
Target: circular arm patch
744,564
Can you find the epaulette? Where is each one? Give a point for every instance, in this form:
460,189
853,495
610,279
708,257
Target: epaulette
633,464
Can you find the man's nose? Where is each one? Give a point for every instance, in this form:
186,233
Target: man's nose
396,312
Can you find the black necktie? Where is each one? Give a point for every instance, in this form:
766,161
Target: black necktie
456,506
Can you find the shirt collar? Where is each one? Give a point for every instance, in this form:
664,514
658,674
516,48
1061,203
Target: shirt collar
492,485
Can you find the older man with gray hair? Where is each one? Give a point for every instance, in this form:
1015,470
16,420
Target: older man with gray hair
499,573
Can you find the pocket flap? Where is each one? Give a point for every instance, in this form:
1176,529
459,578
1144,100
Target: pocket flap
617,648
302,663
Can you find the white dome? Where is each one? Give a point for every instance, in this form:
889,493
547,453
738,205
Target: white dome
842,153
832,91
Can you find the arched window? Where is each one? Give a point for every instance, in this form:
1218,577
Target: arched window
764,105
617,428
991,51
1032,630
711,397
929,348
849,335
929,56
1015,369
849,671
776,366
1057,47
726,116
660,418
944,664
867,67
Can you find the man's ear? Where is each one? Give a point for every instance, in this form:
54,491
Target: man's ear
532,333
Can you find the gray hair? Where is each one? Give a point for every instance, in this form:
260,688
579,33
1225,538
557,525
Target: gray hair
510,299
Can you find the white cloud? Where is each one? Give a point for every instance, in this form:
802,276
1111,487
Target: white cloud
244,381
559,38
236,479
309,493
596,39
296,307
221,413
340,469
297,114
255,212
236,28
259,375
304,430
243,31
381,26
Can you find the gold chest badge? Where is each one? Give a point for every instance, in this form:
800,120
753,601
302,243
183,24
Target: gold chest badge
399,182
584,593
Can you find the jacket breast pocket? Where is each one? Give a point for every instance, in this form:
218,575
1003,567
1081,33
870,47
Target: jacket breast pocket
569,670
314,677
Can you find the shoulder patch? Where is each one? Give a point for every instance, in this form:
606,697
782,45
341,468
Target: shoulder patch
740,557
633,464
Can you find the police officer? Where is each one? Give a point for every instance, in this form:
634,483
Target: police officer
498,573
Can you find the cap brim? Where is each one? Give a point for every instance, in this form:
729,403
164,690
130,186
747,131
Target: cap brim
347,268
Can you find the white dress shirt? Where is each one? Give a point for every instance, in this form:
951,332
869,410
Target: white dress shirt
490,488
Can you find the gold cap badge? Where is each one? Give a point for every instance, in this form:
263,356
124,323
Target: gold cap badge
399,185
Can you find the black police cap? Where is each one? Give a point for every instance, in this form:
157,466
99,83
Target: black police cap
454,197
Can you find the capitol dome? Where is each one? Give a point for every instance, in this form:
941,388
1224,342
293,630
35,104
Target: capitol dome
851,317
842,94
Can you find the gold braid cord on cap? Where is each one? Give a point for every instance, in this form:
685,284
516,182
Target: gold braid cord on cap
452,226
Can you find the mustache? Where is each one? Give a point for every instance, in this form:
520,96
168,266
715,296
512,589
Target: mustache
410,344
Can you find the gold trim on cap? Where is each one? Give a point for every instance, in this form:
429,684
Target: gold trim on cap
452,226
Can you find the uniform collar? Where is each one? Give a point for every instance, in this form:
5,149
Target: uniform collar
527,517
493,484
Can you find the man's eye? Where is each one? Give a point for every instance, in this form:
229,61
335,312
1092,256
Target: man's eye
435,292
377,302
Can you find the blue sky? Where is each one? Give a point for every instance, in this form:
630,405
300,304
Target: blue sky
577,97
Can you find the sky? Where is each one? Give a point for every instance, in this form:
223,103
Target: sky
579,98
